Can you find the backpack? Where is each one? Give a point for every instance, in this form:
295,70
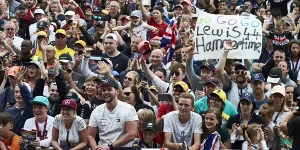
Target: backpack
11,138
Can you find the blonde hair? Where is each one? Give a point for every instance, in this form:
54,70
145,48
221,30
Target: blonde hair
267,109
251,130
146,115
283,106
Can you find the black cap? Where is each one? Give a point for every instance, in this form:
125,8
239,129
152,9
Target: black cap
208,65
97,10
23,5
101,24
240,66
214,81
275,75
51,71
65,57
110,82
42,24
72,95
149,126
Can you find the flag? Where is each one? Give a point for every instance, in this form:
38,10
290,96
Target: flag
211,143
169,41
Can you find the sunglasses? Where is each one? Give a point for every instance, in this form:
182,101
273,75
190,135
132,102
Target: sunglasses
41,37
129,79
127,93
97,17
240,72
176,73
12,29
60,36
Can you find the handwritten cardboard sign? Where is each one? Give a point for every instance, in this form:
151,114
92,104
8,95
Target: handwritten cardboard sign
212,30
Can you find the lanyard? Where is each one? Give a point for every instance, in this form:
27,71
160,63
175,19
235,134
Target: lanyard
295,68
241,119
44,132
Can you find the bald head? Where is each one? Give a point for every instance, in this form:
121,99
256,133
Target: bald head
156,57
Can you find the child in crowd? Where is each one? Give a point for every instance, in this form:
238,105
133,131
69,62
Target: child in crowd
267,111
8,139
149,133
254,137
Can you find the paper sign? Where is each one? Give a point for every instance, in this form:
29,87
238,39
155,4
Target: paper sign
212,30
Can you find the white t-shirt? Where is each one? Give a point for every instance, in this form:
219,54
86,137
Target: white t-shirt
31,126
140,31
182,132
73,135
111,125
277,123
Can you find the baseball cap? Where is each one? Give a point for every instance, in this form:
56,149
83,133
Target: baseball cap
150,126
208,65
65,57
97,10
42,24
278,89
72,95
144,49
159,2
247,96
101,24
123,18
13,70
115,73
153,88
23,6
220,93
109,82
69,103
214,81
136,13
178,5
39,11
81,42
104,11
182,84
107,61
51,71
70,13
257,77
146,3
35,63
240,66
112,36
186,1
40,100
42,33
274,75
61,31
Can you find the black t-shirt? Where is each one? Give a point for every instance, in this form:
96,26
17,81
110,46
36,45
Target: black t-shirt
293,131
120,62
237,119
280,4
78,79
89,106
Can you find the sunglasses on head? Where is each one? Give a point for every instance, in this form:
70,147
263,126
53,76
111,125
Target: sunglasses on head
242,72
176,73
60,36
127,93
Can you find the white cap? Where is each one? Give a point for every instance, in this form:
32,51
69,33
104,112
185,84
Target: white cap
114,37
39,11
70,13
146,3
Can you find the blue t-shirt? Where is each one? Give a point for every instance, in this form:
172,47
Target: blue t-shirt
258,104
14,110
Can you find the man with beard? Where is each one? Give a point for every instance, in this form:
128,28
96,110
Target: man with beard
183,128
115,121
240,86
258,86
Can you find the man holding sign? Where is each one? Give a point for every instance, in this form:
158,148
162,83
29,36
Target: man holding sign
212,30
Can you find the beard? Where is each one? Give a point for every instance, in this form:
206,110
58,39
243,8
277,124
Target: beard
109,98
240,80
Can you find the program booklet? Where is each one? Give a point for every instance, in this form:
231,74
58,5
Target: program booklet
29,137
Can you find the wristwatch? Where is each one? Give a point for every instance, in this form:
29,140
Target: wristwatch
110,145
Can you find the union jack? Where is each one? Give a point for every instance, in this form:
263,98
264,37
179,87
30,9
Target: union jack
169,41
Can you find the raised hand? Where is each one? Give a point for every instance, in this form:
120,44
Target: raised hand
260,134
67,76
227,45
44,71
88,52
103,68
19,76
191,51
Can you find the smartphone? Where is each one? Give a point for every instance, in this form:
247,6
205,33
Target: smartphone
178,57
164,97
199,86
69,70
144,78
179,20
80,53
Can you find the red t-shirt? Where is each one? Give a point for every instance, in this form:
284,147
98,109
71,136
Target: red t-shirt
163,110
161,27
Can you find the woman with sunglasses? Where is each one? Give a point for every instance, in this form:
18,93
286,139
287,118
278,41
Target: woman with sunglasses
132,97
33,73
246,116
294,11
69,130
